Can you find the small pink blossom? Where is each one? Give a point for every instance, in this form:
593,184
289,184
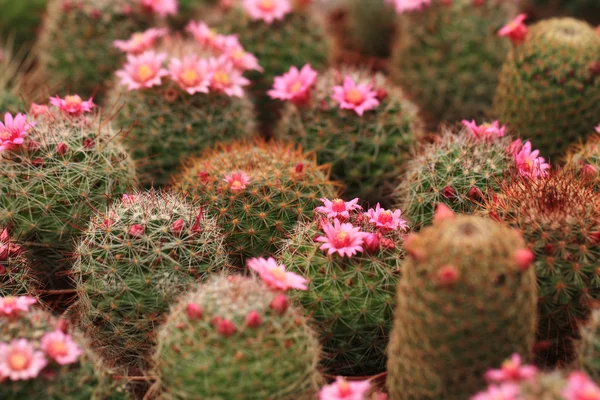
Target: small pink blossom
191,74
129,198
20,361
386,219
485,131
512,370
161,7
13,305
403,6
341,238
342,389
506,391
529,164
143,71
516,30
37,110
242,60
140,41
60,347
580,387
206,36
275,275
515,146
359,98
136,230
338,208
225,78
72,105
13,130
267,10
237,181
294,85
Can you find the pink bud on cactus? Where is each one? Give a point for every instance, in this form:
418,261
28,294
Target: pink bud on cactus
62,148
194,311
448,275
442,212
279,304
225,327
387,243
253,319
524,258
372,243
177,226
136,230
196,228
475,193
448,192
589,171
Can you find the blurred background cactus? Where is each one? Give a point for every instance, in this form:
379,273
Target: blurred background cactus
21,20
588,10
588,348
372,25
585,159
20,84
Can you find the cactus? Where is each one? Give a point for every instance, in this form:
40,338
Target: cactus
372,26
588,10
588,349
448,57
234,338
351,300
549,84
257,191
66,367
585,158
366,152
190,9
21,20
16,277
466,301
560,220
68,166
132,263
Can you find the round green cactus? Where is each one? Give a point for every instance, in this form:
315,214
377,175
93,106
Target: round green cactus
588,10
234,338
16,277
550,83
372,26
466,301
585,159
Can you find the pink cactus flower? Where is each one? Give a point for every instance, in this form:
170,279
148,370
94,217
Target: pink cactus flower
60,347
512,370
338,208
163,8
359,98
140,41
529,164
136,230
191,74
206,36
506,391
267,10
13,130
225,78
342,238
516,30
386,220
13,305
275,276
129,198
294,85
143,71
20,361
342,389
403,6
72,105
37,110
242,60
237,181
485,131
597,128
580,387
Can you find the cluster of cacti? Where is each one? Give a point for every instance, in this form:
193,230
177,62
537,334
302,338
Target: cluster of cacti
132,264
585,158
466,301
40,358
169,120
16,277
257,191
367,152
559,217
448,56
588,10
21,20
372,25
234,338
588,348
549,85
57,165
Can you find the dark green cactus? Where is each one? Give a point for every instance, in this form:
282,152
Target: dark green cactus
372,26
588,10
585,159
16,277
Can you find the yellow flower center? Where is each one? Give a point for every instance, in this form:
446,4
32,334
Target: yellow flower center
138,38
278,274
145,72
296,87
354,96
5,135
58,348
344,388
385,217
18,361
10,300
72,101
266,5
238,54
341,239
236,185
222,78
189,77
338,205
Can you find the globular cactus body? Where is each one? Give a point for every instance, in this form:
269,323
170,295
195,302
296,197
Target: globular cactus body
372,26
588,10
16,277
585,159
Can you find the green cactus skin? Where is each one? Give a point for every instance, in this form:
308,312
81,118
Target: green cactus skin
86,379
126,282
458,170
275,360
463,305
285,186
366,153
372,26
49,186
448,57
588,348
16,277
549,88
559,218
350,300
21,19
585,159
588,10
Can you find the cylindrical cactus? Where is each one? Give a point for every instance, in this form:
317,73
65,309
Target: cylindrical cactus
549,85
133,262
233,338
371,26
466,301
16,277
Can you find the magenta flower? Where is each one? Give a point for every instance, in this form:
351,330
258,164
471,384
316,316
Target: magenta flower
403,6
204,35
506,391
386,220
485,131
511,371
225,78
191,74
342,389
140,41
13,305
143,71
129,198
267,10
37,110
342,238
529,164
294,85
13,130
60,347
72,105
20,361
359,98
338,208
161,7
237,181
241,59
275,276
580,387
516,30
